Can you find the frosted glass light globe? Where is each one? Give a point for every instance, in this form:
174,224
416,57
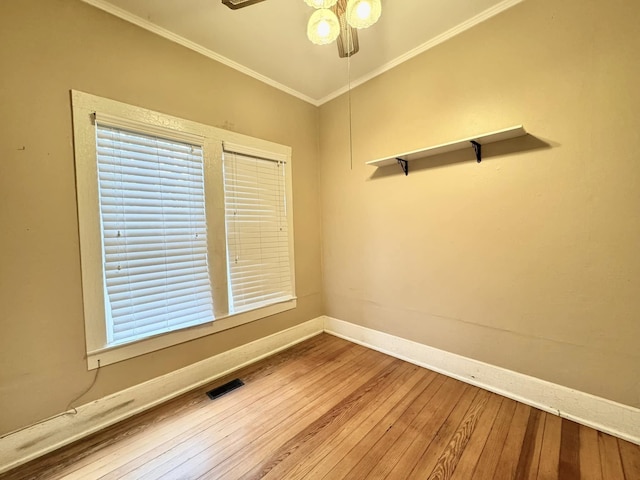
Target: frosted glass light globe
363,10
363,13
323,27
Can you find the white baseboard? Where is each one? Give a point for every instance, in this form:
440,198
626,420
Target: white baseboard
24,445
620,420
605,415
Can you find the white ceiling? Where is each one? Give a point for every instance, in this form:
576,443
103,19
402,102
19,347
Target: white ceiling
268,40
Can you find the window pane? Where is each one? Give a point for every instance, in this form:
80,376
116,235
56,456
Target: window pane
257,232
154,234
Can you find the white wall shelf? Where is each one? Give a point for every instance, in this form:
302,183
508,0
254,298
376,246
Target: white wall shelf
476,142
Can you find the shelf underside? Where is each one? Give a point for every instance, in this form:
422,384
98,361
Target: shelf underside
483,139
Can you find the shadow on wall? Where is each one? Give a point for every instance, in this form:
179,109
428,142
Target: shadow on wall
498,149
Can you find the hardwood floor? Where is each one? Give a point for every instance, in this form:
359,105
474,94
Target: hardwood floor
330,409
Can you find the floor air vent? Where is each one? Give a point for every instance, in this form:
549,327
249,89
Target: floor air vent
226,388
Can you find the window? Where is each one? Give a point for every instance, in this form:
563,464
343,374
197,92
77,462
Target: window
185,229
154,244
257,230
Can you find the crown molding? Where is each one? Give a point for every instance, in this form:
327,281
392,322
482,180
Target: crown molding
443,37
152,27
452,32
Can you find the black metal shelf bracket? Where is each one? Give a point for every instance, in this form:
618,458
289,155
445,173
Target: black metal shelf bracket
404,164
478,149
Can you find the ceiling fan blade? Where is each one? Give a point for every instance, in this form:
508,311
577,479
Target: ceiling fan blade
236,4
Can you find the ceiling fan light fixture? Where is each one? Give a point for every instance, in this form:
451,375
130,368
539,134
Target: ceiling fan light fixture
321,3
363,13
323,27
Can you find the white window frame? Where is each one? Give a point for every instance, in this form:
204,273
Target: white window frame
85,108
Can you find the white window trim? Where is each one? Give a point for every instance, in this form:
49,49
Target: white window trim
85,107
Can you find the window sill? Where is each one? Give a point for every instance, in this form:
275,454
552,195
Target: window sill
109,355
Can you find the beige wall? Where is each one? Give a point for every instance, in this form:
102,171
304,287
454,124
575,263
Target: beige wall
530,260
527,261
48,47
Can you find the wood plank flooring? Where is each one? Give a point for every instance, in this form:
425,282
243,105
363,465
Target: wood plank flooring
330,409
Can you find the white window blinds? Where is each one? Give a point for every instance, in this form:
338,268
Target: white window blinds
152,206
257,231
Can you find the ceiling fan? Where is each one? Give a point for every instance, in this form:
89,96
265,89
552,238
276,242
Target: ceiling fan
321,25
236,4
